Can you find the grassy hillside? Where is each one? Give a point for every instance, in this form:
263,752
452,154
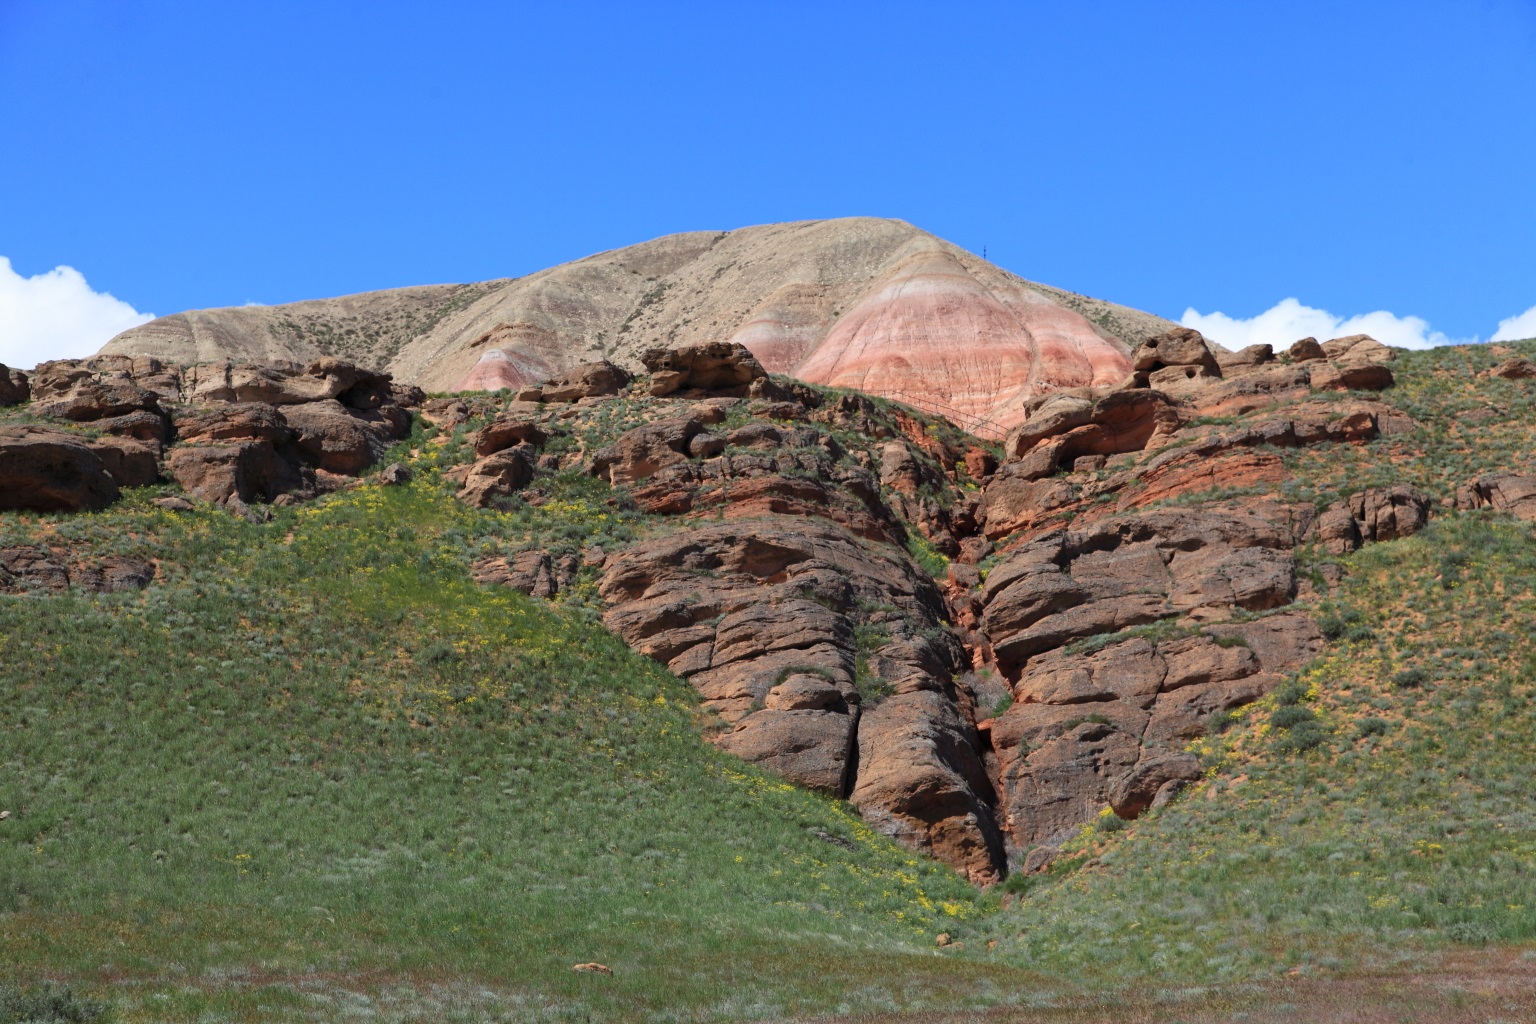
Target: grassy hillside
315,758
315,772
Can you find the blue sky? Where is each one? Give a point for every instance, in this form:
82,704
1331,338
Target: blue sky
1218,157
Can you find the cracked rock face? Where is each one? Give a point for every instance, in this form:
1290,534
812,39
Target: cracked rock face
770,621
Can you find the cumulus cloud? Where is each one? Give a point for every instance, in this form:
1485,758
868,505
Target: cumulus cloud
1289,321
57,315
1517,328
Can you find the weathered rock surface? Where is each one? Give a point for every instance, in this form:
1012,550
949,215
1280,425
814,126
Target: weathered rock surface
31,570
1107,727
1514,368
724,367
247,433
14,386
1126,572
588,380
762,619
1373,515
535,573
48,470
1502,492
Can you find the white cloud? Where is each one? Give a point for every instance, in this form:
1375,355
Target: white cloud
1289,321
57,316
1517,328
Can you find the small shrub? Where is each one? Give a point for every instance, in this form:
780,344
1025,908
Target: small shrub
1410,678
1301,737
1289,716
1371,727
48,1004
1471,933
1289,692
1220,722
1003,704
1348,625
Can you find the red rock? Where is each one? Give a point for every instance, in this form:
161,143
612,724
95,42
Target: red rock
47,470
131,463
1514,368
535,573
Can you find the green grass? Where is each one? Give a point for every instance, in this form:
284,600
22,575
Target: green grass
315,757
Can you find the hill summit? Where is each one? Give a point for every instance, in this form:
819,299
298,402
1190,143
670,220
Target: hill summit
858,302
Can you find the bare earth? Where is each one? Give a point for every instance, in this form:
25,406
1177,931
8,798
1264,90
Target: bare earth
857,302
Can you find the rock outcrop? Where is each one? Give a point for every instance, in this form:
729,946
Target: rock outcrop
37,570
15,387
771,623
246,433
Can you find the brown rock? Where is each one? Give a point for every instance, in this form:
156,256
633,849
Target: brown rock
1358,347
14,386
1503,492
498,476
1179,347
241,421
1515,368
809,747
505,431
535,573
1306,350
1351,374
1095,423
342,440
29,568
395,474
244,470
588,380
131,463
918,779
112,574
711,366
1135,791
1253,355
47,470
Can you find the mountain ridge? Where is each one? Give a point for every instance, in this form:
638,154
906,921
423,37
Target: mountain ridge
932,324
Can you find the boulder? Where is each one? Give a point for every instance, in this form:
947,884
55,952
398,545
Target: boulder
14,387
535,573
811,747
1502,492
338,439
66,390
1349,373
1180,347
1135,791
1359,348
1306,350
240,421
588,380
131,463
245,470
639,453
1093,423
1515,368
1252,355
505,431
48,470
718,366
499,475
